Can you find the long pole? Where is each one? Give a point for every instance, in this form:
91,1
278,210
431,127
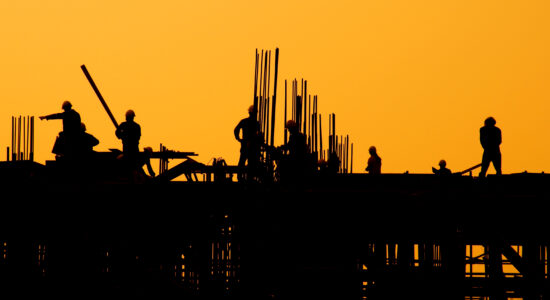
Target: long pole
96,90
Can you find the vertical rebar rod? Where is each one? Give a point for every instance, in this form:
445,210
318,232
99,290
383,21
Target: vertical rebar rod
260,80
330,138
309,116
334,131
160,160
264,87
12,138
284,125
268,100
321,137
275,75
255,99
304,98
27,148
19,139
32,139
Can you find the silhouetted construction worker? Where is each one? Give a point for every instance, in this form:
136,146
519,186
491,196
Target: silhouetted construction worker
143,159
251,142
297,143
130,133
443,170
293,165
146,160
490,137
374,164
87,142
66,143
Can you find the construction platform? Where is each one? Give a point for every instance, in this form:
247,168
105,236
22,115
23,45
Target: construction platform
345,236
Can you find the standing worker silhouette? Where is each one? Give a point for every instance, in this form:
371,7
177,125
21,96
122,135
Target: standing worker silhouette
250,143
66,143
374,164
490,137
129,132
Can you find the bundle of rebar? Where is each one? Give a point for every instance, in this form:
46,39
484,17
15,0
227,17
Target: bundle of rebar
22,139
304,111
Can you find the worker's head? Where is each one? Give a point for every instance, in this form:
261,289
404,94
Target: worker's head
372,150
66,105
291,125
490,121
83,126
442,163
251,110
130,114
148,150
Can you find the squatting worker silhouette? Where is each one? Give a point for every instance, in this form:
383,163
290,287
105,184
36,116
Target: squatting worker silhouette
87,141
251,143
293,166
67,141
490,137
443,170
129,132
297,143
374,164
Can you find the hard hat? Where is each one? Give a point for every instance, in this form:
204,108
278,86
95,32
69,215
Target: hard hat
290,124
442,163
372,149
130,113
251,109
66,105
148,149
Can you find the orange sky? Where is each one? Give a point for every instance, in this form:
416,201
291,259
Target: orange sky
414,78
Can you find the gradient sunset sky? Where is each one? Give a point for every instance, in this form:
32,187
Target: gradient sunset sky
414,78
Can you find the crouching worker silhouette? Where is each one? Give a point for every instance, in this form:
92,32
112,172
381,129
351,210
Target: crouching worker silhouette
443,170
374,164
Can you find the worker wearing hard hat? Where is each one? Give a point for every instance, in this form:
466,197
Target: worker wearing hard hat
129,132
251,142
66,142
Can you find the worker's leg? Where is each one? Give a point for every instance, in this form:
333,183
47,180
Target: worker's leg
497,163
485,161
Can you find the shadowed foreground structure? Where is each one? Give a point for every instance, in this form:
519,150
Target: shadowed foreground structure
349,236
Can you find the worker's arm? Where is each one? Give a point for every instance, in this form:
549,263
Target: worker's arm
236,132
52,116
150,169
